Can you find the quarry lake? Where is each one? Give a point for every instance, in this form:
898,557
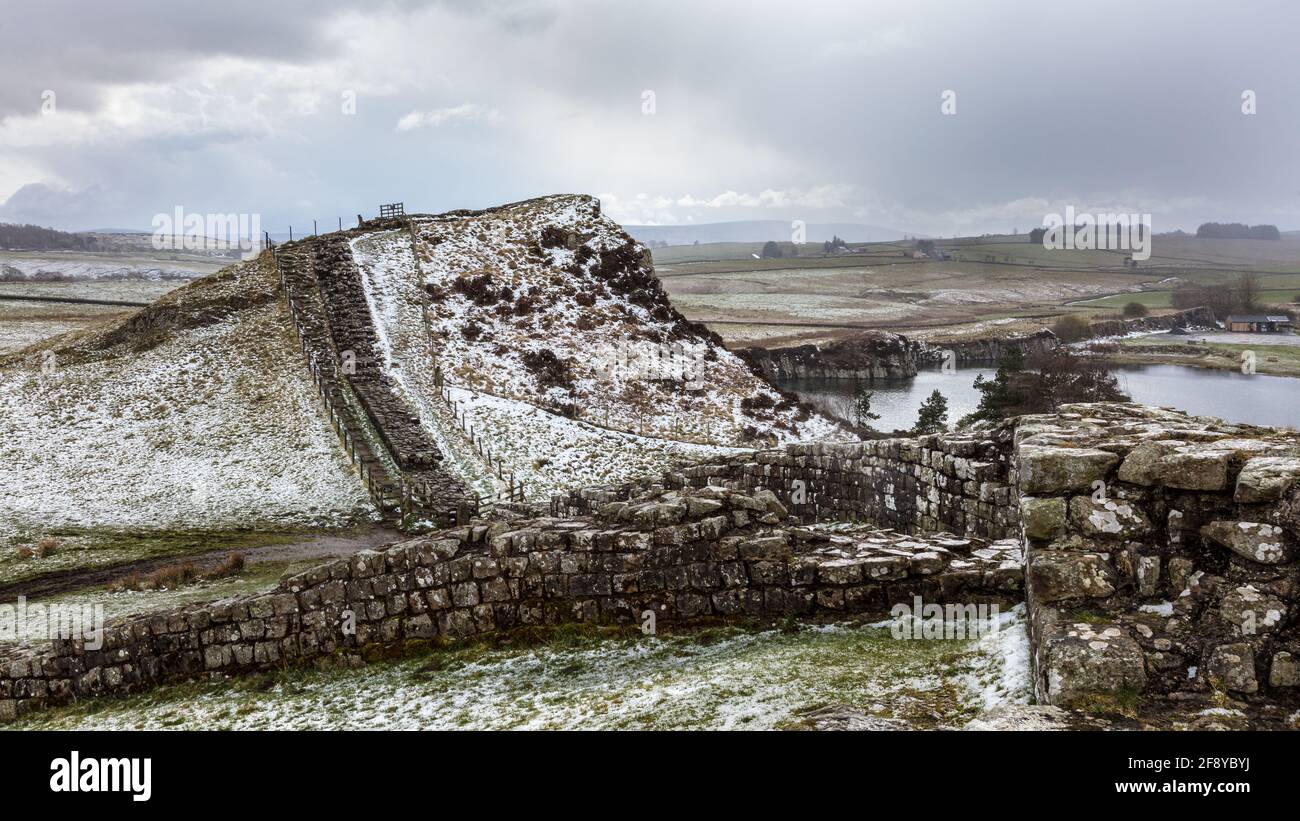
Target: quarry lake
1256,399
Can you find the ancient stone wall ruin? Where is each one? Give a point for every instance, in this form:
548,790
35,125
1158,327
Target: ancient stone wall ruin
1161,552
933,483
1160,557
1162,548
681,556
396,458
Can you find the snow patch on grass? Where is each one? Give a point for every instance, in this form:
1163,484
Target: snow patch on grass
720,679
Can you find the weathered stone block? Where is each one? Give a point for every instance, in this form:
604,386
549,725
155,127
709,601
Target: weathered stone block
1108,519
1251,612
1259,542
1232,666
1046,469
1284,671
1059,575
1043,516
1083,660
1267,478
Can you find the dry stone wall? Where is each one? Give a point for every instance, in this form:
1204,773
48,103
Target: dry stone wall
1161,553
1162,549
681,555
933,483
397,458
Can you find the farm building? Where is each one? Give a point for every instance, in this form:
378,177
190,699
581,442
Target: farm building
1259,324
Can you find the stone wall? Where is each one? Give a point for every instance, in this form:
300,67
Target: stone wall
1161,553
1161,557
1162,548
682,555
934,483
1191,318
396,458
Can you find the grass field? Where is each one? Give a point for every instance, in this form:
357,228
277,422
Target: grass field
1272,360
1161,299
999,284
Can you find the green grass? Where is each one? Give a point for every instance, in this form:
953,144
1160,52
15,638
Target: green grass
1162,299
1274,360
87,550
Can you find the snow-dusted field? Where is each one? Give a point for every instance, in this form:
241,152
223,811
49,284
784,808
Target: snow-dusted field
17,265
549,453
721,679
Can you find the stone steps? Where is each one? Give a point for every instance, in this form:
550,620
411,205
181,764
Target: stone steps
333,320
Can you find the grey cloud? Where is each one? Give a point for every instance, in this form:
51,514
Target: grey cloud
1109,105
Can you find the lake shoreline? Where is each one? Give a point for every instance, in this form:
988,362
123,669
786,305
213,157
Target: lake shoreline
1272,355
1260,398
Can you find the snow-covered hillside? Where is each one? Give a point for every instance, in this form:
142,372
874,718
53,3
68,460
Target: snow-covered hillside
199,415
546,302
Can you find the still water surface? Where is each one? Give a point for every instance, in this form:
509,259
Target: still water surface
1237,397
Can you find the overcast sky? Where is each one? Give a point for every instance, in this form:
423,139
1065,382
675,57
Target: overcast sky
821,111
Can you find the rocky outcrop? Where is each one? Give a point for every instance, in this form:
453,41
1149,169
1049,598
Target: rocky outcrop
992,349
883,355
873,355
1189,319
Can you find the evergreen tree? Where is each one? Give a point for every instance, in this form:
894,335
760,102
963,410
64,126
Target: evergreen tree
862,408
996,393
933,417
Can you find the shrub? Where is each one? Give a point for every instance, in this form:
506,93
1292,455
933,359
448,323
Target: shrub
232,566
1135,310
174,575
554,237
525,305
169,577
1071,328
46,547
549,370
471,330
24,552
479,290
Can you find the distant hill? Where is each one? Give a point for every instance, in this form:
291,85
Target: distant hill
760,231
36,238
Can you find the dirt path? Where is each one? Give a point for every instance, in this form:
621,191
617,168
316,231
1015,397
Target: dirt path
323,546
73,300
